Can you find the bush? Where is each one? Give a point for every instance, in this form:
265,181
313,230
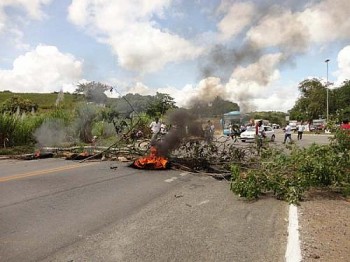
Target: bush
289,175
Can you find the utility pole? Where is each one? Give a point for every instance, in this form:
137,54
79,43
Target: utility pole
327,60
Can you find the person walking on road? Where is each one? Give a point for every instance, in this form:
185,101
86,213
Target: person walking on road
287,133
209,131
301,129
155,128
259,134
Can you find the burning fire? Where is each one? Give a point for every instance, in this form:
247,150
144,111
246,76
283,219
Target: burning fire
152,161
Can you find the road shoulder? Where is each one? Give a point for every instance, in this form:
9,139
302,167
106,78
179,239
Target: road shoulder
325,227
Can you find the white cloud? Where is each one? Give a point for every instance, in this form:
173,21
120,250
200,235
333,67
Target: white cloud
343,72
42,70
140,88
32,8
275,102
128,27
294,32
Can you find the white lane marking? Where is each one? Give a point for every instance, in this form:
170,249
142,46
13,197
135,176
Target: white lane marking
293,252
203,202
170,179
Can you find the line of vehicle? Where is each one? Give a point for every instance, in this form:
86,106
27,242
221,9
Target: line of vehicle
42,172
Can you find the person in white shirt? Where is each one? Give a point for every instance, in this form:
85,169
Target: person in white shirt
155,128
301,129
287,133
259,129
163,129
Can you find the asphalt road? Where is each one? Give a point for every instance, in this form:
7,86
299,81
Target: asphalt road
59,210
307,139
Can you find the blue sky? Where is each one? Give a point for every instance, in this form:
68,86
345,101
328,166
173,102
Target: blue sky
251,52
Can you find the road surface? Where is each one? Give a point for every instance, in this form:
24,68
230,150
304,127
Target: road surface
59,210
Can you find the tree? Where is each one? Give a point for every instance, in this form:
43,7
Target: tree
160,104
220,106
342,100
312,102
273,116
93,91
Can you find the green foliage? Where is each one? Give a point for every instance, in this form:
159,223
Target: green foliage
341,140
273,116
58,113
17,104
313,101
159,105
17,150
103,129
128,104
289,175
247,184
45,102
18,130
109,114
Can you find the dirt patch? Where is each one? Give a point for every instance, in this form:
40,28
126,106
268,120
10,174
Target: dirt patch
325,227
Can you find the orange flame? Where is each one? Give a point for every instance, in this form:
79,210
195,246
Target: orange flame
152,161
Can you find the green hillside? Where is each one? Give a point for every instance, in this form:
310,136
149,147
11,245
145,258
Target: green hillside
45,101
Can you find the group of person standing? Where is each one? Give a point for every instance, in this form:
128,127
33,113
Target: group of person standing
301,128
288,132
157,128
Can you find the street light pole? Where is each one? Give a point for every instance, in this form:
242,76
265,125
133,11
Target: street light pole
327,89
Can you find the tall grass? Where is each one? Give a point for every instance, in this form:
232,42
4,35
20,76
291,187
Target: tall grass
17,130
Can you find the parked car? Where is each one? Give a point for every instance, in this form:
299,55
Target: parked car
249,134
311,128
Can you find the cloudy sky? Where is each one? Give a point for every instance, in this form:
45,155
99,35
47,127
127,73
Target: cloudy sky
251,52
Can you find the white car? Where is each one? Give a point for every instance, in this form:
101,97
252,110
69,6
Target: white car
249,134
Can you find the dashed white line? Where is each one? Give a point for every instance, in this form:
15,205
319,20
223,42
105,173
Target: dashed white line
293,252
203,202
171,179
174,178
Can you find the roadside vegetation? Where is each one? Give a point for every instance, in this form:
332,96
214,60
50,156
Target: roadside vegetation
289,174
